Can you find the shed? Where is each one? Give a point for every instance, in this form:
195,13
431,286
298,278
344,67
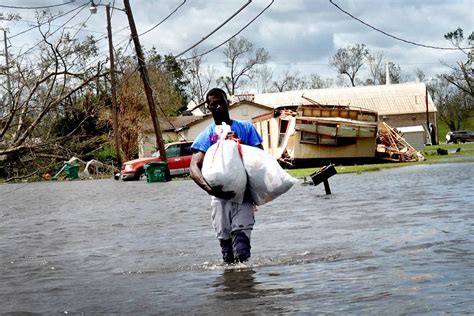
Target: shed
414,135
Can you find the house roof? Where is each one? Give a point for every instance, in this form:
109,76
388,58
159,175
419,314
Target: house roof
405,98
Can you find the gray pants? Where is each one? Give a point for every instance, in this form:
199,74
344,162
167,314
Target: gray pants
228,217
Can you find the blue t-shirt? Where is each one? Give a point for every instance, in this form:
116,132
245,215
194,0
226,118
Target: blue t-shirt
243,129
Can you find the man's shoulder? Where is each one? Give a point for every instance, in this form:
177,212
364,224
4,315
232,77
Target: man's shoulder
243,123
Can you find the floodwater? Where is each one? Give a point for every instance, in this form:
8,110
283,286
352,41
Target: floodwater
396,241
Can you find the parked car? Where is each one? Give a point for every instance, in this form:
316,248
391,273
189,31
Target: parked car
460,137
179,158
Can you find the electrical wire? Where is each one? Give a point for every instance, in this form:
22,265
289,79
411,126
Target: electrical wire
393,36
235,34
215,30
72,28
83,24
161,22
35,8
62,26
54,18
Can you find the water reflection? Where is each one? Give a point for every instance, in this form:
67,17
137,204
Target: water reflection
237,284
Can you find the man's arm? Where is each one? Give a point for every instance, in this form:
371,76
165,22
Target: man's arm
196,174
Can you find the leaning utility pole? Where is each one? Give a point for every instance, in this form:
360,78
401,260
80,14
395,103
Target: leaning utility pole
146,81
113,89
7,69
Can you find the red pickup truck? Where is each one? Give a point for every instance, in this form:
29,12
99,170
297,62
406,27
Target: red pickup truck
179,158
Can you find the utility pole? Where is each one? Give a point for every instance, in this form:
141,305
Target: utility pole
113,89
7,69
427,113
146,82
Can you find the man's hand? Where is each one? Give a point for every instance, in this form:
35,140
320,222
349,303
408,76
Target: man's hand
218,193
232,134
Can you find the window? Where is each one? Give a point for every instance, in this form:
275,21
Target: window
307,137
327,140
346,141
244,111
186,149
283,129
172,151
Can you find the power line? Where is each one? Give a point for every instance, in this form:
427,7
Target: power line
159,23
54,18
215,30
390,35
69,27
60,27
235,34
35,8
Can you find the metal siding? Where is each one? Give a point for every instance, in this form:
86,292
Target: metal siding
385,99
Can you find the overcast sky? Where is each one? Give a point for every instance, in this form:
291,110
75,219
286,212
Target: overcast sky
300,35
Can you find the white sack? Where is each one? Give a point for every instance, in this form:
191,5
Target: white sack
266,178
223,166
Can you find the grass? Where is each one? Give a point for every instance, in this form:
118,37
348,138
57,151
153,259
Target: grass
449,146
431,158
443,128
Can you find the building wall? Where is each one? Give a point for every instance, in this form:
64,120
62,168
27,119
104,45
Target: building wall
416,140
269,130
401,120
147,142
414,119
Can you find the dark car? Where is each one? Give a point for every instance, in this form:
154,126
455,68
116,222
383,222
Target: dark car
460,137
178,155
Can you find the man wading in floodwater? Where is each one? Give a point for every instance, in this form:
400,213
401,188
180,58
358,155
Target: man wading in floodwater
233,222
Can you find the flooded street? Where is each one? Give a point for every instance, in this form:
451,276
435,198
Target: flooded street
396,241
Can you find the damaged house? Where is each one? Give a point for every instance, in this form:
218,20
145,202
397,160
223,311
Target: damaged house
340,123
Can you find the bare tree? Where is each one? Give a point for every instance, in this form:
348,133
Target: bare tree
262,78
241,58
463,76
290,81
200,79
316,82
454,91
348,61
420,75
394,74
42,89
376,64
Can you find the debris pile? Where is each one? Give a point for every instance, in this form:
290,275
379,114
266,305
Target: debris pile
393,147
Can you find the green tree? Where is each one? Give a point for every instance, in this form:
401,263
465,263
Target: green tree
168,80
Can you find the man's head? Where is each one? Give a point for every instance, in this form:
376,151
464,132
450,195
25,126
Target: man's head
218,104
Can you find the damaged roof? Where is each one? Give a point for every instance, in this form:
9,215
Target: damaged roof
405,98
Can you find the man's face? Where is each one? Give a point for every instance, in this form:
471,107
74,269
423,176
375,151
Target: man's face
218,107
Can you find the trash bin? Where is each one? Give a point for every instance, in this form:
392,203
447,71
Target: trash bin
157,172
71,171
